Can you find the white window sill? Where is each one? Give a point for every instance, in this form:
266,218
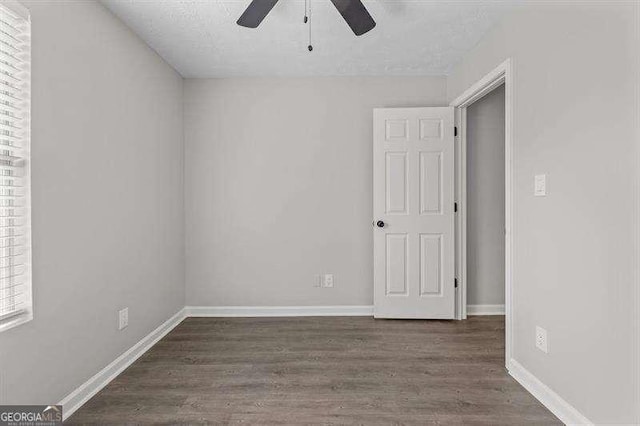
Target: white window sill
16,319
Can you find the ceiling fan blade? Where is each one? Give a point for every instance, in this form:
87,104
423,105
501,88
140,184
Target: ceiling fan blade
255,13
356,15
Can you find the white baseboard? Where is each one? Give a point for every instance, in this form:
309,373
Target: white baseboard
73,401
88,389
554,403
485,309
278,311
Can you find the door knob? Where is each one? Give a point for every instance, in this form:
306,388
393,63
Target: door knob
380,224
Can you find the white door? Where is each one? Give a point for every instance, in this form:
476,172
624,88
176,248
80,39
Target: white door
413,211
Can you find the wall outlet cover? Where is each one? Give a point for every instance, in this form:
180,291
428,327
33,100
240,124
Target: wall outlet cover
541,339
540,185
328,281
123,318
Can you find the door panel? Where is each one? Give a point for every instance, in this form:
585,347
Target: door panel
431,182
413,195
430,264
396,259
397,185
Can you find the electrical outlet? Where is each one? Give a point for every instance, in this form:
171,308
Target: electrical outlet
328,281
323,280
541,339
123,318
540,185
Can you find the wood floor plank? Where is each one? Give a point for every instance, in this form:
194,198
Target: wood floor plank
320,370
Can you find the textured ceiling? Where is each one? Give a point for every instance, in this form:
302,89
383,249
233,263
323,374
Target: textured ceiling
200,38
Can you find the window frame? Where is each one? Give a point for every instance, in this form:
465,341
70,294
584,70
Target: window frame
24,315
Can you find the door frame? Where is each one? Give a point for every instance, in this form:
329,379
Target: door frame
502,74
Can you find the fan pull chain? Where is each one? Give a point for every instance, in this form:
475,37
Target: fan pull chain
307,20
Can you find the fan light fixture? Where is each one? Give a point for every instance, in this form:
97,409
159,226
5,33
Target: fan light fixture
352,11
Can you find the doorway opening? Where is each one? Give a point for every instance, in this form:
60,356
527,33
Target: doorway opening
485,204
478,237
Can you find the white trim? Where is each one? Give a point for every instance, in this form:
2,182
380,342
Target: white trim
88,389
485,309
15,319
278,311
558,406
636,224
483,86
501,74
461,217
77,398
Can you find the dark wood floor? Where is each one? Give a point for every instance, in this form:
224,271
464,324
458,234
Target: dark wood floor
320,370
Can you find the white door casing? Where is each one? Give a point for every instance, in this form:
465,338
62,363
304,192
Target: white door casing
413,194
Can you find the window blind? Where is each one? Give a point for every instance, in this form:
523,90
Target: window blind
15,220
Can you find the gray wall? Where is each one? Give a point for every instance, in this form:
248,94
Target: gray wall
485,200
575,118
278,186
107,212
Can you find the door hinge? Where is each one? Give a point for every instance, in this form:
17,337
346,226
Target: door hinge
455,207
455,131
455,282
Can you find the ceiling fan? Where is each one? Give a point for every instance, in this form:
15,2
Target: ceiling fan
353,12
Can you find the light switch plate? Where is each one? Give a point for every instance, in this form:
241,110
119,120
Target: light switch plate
123,318
540,185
